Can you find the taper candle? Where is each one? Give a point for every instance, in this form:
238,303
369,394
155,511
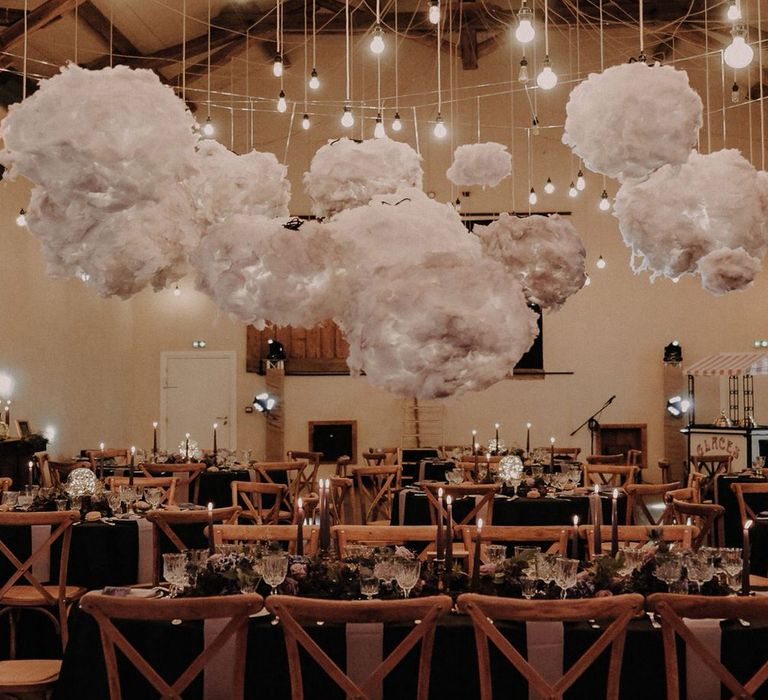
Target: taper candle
30,466
575,538
496,444
596,515
449,535
133,464
474,442
101,461
745,560
215,440
615,523
552,454
300,528
7,420
211,548
476,558
186,448
439,544
154,438
527,438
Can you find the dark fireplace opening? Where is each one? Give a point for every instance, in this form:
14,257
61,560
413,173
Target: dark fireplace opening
333,439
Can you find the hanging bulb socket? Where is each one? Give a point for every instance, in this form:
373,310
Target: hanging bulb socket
21,219
605,203
525,30
600,264
282,105
535,125
547,79
305,122
208,128
522,75
457,204
377,42
378,130
397,125
440,131
434,11
572,191
277,66
581,182
176,291
314,81
735,92
532,198
549,187
347,119
738,54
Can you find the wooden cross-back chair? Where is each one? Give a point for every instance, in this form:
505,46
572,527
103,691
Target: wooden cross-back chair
249,495
571,453
617,458
39,595
471,466
295,612
186,473
671,609
747,512
163,522
167,484
314,460
637,535
609,474
553,539
375,487
378,536
233,534
236,609
705,469
707,517
483,494
341,489
374,458
342,463
619,609
118,454
640,494
294,474
5,483
635,457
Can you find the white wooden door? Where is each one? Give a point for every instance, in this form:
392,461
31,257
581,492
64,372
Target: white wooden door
198,389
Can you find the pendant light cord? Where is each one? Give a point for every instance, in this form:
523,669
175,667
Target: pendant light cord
602,38
546,28
346,46
209,60
439,68
397,64
314,35
306,44
24,67
642,40
184,52
760,73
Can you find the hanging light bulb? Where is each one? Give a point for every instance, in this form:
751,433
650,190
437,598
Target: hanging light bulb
378,130
535,125
439,131
176,291
522,76
377,42
547,79
434,11
277,66
282,105
314,81
549,187
587,281
457,205
572,191
600,264
305,122
532,198
734,12
397,125
738,54
525,31
735,92
21,219
605,203
208,128
581,183
346,118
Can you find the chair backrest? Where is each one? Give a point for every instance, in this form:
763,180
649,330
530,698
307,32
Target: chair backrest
618,458
746,512
570,452
314,459
341,465
711,465
167,484
482,493
672,609
638,535
635,457
553,539
639,496
294,474
5,483
163,522
704,516
392,454
698,484
295,612
186,473
235,609
483,610
40,460
229,534
375,487
609,474
376,535
665,467
374,458
119,454
341,489
250,496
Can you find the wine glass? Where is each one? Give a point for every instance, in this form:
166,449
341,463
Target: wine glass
369,584
528,587
565,574
175,571
10,499
669,570
274,570
732,564
407,574
114,499
700,569
495,554
153,496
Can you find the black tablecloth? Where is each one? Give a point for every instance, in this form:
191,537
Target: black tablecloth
454,664
727,498
216,487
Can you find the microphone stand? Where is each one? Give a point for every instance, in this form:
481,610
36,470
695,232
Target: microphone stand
593,425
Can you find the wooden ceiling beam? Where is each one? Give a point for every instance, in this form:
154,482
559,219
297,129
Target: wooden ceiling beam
468,48
218,58
48,11
100,24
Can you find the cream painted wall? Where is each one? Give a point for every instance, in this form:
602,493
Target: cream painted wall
91,367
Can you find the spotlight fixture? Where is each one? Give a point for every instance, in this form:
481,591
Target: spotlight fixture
581,182
572,191
439,131
282,105
347,119
397,125
532,198
762,343
277,66
600,264
677,406
305,122
21,219
525,31
605,203
276,350
522,76
208,129
264,403
314,81
198,344
738,54
673,353
377,42
547,79
549,187
434,11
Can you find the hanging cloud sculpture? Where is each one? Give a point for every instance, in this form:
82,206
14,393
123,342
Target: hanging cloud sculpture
485,164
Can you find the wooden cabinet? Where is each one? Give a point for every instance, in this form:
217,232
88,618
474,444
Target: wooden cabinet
613,438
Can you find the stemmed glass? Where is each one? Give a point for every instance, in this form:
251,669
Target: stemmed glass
407,574
369,583
495,554
528,587
114,499
632,558
732,563
153,496
274,570
565,574
700,569
10,499
669,570
175,571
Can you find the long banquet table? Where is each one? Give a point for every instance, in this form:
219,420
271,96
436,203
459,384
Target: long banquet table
454,666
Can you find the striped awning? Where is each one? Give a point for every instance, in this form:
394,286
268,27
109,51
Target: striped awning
730,364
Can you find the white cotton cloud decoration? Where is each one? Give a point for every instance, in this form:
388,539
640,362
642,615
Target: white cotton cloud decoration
545,253
257,270
485,164
346,173
683,212
227,184
426,314
633,118
725,270
106,151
